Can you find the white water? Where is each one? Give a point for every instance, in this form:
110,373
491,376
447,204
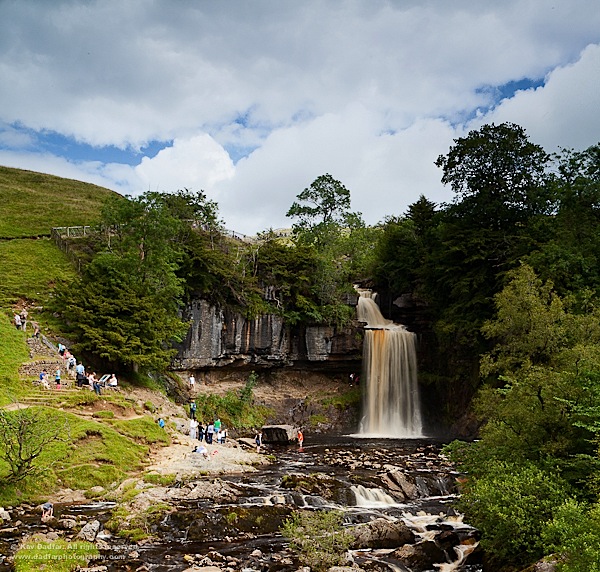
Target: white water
391,405
372,497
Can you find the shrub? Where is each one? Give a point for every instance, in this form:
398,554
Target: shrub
574,535
510,505
319,538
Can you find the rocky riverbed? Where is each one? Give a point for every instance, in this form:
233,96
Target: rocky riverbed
395,498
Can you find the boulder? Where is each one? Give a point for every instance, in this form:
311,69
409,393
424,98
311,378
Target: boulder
4,515
381,533
89,531
279,433
421,556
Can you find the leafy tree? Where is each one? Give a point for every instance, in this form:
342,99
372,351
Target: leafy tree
24,436
511,505
124,306
498,173
322,207
573,536
569,256
326,223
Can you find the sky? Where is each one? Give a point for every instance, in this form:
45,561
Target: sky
251,100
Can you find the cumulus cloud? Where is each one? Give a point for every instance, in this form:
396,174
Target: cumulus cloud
254,101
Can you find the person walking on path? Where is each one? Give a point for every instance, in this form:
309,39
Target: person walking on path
23,316
192,381
57,378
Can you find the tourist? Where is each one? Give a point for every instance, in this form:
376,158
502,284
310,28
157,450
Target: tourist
61,349
17,321
44,379
202,450
57,378
192,381
210,431
71,362
193,428
217,425
200,432
23,317
112,381
258,441
192,409
36,330
300,438
161,422
47,511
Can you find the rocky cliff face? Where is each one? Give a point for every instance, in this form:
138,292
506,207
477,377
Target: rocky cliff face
218,338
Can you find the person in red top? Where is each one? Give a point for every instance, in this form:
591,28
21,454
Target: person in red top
300,438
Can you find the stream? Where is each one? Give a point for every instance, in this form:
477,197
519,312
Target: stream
401,481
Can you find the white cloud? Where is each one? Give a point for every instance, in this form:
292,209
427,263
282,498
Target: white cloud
367,91
563,112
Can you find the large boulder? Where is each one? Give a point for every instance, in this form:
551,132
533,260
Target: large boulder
381,533
279,433
421,556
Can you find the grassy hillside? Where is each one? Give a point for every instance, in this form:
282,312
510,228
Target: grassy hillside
32,203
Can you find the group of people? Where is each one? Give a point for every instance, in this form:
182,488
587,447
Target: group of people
212,432
81,378
21,320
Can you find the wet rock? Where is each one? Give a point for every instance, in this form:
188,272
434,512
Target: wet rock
89,531
8,532
67,523
421,556
408,488
381,533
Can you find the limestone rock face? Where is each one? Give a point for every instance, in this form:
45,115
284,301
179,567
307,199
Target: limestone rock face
220,338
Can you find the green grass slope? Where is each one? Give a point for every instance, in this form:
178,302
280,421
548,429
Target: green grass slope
32,203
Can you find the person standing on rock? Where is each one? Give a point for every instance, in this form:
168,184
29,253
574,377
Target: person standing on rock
200,431
192,409
17,321
57,378
300,438
217,425
210,431
192,382
258,441
193,428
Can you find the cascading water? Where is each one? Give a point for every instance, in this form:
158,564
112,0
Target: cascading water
391,405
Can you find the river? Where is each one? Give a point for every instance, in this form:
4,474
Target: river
403,481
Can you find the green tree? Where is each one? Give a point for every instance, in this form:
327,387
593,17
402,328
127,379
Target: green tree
337,234
511,505
24,436
321,208
124,306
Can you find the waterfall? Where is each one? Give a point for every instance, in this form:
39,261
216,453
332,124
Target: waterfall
390,391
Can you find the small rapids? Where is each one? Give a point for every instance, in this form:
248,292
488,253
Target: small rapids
402,482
